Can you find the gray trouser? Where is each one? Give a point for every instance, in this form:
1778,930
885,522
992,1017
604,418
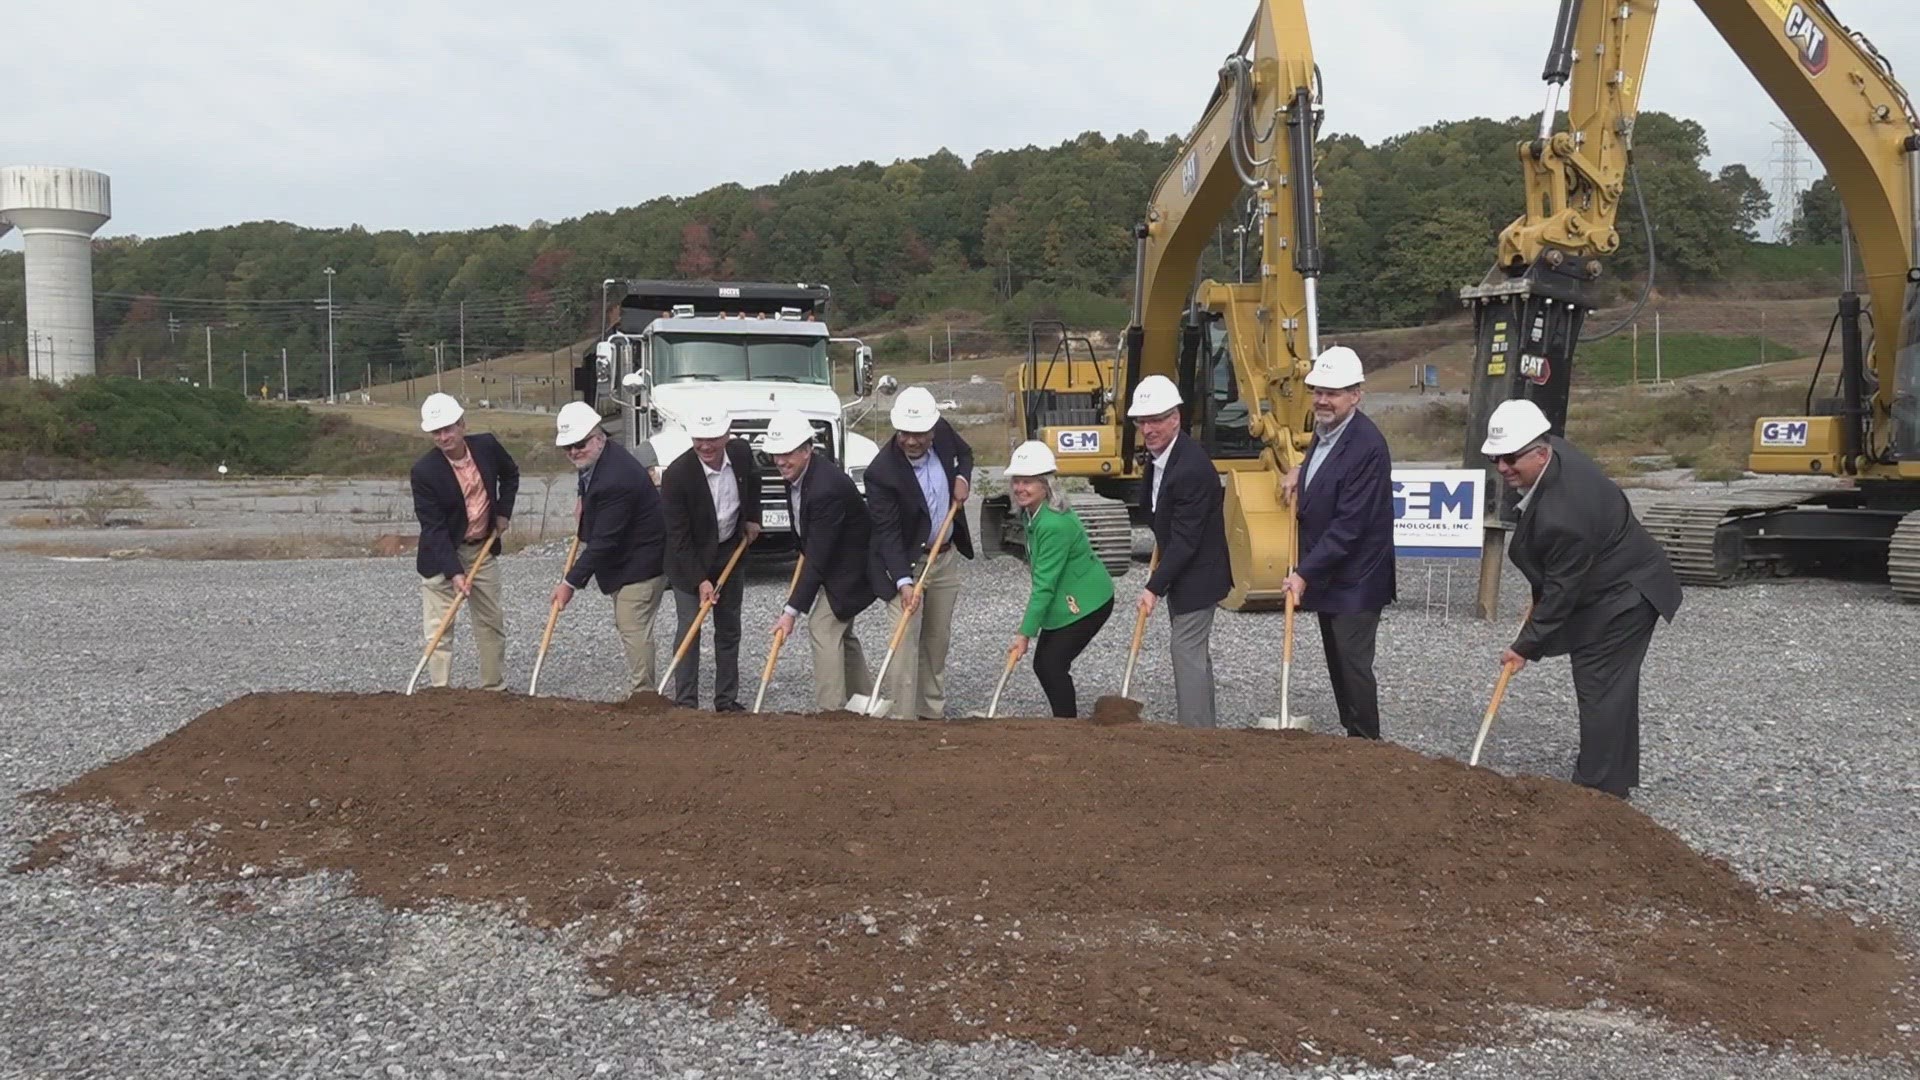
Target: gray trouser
839,667
1606,682
726,646
1191,638
917,678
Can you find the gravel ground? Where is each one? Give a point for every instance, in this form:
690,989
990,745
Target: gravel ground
1777,736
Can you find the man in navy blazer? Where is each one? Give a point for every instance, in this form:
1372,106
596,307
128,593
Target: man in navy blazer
1182,492
463,491
623,535
1343,494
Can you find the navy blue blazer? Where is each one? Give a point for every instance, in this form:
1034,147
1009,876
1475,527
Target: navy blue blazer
442,509
1346,524
623,526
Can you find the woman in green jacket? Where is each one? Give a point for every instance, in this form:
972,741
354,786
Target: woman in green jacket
1072,591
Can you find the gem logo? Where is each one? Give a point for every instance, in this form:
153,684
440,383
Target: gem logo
1805,33
1077,442
1783,433
1535,369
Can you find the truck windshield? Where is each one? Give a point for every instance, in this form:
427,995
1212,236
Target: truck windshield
679,357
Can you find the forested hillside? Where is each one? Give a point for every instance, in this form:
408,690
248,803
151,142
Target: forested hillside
1011,234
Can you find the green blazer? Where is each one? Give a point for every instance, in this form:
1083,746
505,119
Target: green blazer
1069,583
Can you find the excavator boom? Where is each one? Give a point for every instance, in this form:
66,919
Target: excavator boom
1238,351
1841,95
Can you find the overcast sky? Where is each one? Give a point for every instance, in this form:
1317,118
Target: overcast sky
428,116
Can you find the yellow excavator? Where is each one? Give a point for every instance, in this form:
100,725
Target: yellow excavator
1841,95
1238,351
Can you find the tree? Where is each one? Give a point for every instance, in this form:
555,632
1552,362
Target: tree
1819,220
1750,199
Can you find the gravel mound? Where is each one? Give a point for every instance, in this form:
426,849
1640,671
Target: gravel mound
1052,882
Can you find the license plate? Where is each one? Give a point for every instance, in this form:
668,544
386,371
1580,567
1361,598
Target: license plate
775,519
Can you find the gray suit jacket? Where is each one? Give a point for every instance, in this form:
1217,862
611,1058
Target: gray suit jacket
1587,557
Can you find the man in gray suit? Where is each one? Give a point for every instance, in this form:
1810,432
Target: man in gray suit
1600,584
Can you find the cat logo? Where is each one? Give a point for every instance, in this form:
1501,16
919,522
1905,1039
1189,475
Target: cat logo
1805,33
1535,368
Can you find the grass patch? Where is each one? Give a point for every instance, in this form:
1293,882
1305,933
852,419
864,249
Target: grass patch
1436,431
1611,362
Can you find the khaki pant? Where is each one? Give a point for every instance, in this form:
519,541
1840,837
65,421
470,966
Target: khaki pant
917,677
633,608
839,666
489,621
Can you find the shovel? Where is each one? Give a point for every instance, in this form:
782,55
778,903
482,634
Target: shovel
1499,691
452,610
779,639
1139,632
1287,719
700,617
553,616
873,704
1013,661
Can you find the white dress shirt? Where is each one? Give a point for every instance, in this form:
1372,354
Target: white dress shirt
1160,471
724,486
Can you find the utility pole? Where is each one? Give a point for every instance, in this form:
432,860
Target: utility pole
463,380
330,390
284,396
463,338
949,358
243,372
138,375
209,357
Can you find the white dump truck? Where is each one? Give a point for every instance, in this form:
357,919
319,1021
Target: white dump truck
751,348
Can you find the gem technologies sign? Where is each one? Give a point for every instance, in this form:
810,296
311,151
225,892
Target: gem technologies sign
1437,513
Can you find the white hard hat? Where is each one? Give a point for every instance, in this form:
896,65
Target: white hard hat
1336,369
1514,424
914,410
787,431
576,421
710,422
1155,395
438,411
1030,459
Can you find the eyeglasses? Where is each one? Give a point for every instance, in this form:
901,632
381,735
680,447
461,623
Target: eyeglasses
576,447
1509,459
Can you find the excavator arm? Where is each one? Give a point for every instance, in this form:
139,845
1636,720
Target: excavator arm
1255,139
1238,351
1841,95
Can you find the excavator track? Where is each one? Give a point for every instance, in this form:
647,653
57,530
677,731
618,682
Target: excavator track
1108,529
1699,550
1903,559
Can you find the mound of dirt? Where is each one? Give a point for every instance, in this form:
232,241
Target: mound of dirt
1192,892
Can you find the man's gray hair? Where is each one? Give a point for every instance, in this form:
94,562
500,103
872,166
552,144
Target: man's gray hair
1538,443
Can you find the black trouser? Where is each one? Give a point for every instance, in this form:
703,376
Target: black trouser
1606,682
1348,638
726,640
1055,652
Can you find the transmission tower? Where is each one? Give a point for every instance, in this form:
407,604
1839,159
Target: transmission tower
1788,182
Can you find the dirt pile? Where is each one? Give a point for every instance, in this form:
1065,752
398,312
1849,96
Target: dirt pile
1197,893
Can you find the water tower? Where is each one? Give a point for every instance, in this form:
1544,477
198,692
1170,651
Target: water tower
57,210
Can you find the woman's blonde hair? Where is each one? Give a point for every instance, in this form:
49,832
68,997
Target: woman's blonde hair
1056,499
